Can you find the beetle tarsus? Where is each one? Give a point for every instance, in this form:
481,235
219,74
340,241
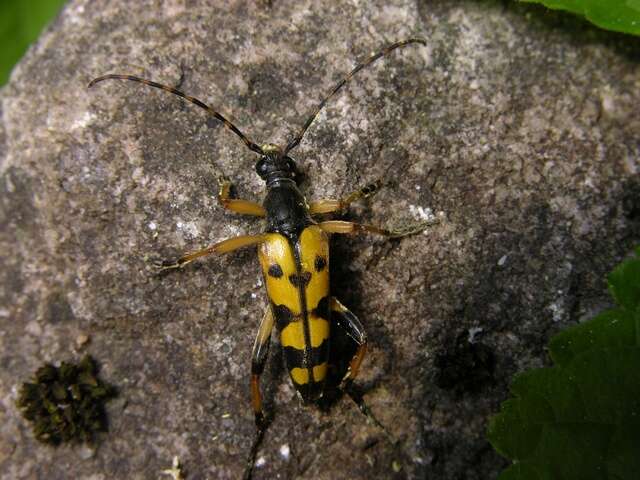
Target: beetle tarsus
356,395
251,459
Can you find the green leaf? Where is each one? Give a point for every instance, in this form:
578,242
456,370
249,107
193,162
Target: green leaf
555,388
624,283
618,15
581,418
519,471
610,329
20,24
624,458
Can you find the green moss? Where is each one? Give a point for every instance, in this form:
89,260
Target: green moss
66,403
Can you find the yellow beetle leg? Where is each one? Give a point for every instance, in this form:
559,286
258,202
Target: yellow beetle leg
225,246
258,360
330,205
326,205
350,324
243,207
341,226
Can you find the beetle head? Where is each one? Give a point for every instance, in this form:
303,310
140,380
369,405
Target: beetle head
274,165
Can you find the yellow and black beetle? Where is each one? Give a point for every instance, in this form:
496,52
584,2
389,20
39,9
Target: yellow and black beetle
294,256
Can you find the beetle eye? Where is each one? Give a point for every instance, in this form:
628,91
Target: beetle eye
261,167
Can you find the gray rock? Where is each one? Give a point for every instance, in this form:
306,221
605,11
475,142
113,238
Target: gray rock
520,125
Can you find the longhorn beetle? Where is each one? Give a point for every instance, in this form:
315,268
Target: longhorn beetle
294,256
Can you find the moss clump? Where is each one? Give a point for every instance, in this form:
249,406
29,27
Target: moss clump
66,403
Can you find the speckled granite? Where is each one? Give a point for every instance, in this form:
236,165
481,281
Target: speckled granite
519,125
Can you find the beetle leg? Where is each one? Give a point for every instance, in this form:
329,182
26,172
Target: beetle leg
341,226
348,322
225,246
243,207
332,205
351,326
258,361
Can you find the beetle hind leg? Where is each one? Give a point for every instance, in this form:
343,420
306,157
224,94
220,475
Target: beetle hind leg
349,323
346,320
258,361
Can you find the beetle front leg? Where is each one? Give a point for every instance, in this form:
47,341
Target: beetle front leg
243,207
258,361
225,246
332,205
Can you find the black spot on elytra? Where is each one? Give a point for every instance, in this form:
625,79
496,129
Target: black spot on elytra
322,309
283,315
307,357
320,263
300,280
275,271
318,355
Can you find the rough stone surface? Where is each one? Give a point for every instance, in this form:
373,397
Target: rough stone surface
520,125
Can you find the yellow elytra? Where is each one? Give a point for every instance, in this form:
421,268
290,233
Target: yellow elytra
296,274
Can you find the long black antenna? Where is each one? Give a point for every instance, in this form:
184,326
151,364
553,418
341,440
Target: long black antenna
293,143
251,145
